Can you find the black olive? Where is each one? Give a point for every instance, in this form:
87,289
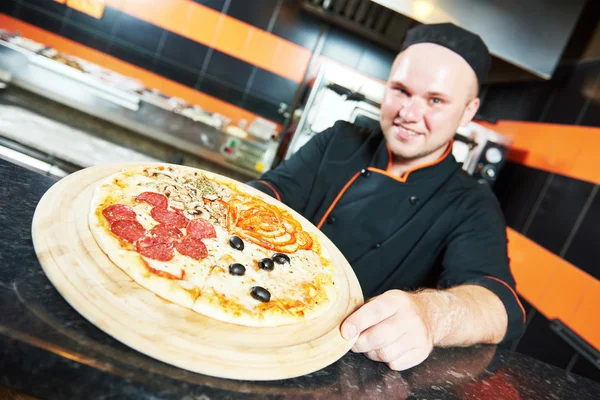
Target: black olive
236,243
237,269
266,264
260,294
281,258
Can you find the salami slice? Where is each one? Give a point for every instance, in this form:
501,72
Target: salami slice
151,248
118,212
168,217
165,233
191,247
128,230
154,199
201,229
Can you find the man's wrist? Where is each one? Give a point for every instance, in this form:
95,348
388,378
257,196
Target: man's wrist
435,308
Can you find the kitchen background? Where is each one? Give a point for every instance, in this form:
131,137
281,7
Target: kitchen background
248,59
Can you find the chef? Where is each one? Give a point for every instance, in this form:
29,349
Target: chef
426,241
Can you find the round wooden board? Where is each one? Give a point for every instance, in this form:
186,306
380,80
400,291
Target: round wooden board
112,301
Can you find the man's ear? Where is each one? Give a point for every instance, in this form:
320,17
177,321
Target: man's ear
470,111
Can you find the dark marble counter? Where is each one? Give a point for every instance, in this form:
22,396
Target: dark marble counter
49,351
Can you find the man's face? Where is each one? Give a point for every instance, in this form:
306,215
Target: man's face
430,92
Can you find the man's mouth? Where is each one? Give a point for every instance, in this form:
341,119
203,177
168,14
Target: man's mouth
405,133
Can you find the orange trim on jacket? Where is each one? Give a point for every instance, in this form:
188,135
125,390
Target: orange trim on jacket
404,177
514,294
272,188
337,198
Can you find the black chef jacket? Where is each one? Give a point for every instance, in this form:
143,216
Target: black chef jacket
433,227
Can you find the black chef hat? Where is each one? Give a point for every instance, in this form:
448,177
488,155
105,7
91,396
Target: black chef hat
464,43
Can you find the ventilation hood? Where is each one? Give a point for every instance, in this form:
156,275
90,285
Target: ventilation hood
526,37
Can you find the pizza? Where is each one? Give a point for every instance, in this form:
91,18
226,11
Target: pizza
212,246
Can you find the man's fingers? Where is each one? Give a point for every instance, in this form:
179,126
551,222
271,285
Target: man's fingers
392,351
369,314
409,359
379,336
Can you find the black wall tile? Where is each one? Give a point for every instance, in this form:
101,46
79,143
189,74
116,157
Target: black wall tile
518,102
263,108
540,342
183,51
40,19
343,47
585,368
297,26
131,55
176,73
376,62
104,25
273,87
556,215
86,38
573,82
257,12
49,5
8,7
214,4
229,69
517,189
591,117
565,108
139,33
222,91
584,251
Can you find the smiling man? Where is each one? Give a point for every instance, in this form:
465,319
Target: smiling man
426,241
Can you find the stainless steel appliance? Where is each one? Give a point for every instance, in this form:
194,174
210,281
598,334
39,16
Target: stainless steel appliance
125,102
342,94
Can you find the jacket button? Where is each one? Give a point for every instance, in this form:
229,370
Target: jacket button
365,172
413,200
330,220
378,245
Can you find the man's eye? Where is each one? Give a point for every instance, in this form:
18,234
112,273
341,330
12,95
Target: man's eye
403,91
436,100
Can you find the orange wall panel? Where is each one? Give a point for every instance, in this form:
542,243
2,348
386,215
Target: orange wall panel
556,288
586,321
228,35
203,25
233,37
587,163
531,265
563,290
564,149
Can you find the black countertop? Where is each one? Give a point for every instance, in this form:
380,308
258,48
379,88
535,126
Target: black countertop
49,351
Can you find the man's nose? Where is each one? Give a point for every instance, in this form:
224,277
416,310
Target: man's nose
412,111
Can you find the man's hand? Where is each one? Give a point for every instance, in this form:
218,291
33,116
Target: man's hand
401,328
393,329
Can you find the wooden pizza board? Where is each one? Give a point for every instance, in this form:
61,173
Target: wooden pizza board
112,301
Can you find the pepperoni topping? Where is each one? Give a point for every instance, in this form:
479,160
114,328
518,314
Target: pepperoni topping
151,248
165,233
168,217
201,229
128,230
118,212
191,247
154,199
